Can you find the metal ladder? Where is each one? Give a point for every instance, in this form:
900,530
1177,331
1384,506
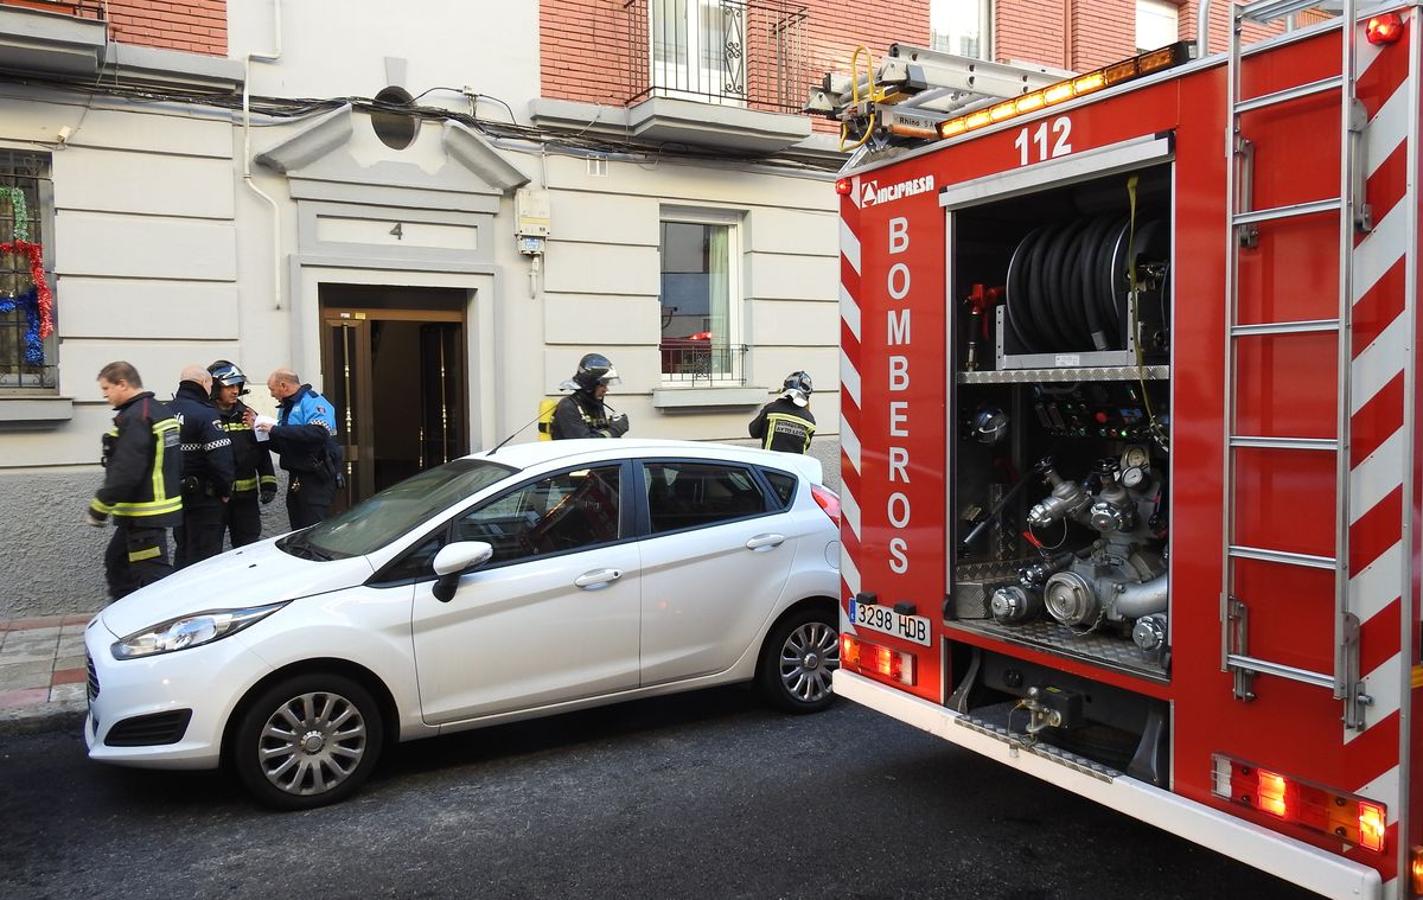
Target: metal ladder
1344,681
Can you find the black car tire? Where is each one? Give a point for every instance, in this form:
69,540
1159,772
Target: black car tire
321,712
807,632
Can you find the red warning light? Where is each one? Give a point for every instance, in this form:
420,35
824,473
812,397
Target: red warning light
1384,29
842,185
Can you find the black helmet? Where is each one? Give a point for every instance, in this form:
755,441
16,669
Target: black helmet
227,374
595,369
797,388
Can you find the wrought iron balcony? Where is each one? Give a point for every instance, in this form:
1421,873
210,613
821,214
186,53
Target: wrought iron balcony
690,362
748,53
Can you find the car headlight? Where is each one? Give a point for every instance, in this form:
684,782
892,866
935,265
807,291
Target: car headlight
190,631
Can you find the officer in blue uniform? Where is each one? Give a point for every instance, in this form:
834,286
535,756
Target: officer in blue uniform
304,439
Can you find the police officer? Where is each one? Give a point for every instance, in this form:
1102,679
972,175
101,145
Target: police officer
786,423
142,468
583,414
304,438
252,464
207,468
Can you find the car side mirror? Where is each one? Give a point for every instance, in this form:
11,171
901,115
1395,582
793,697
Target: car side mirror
454,560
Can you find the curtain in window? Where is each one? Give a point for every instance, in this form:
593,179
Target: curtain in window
719,291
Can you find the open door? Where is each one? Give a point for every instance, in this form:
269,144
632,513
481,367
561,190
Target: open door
397,378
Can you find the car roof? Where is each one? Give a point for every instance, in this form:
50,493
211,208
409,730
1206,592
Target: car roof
538,453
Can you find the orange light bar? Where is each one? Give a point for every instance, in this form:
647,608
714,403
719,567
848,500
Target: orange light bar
1384,29
1271,794
1063,91
1352,819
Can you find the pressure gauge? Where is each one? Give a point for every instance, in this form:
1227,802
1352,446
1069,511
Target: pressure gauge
1133,476
1135,457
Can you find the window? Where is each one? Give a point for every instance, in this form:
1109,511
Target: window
569,511
27,343
380,519
694,495
397,130
783,484
963,27
700,302
1157,24
699,49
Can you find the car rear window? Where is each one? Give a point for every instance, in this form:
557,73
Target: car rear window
694,495
783,484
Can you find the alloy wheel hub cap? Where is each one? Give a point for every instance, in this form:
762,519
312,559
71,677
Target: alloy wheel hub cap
313,741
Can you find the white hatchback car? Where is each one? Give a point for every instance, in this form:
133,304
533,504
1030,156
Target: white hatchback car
540,578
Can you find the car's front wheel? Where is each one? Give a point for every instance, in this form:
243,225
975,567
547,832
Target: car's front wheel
796,661
307,741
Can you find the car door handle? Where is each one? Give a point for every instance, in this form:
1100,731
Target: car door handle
598,578
765,541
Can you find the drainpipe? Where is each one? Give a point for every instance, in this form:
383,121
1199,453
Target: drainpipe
269,57
1067,35
1203,29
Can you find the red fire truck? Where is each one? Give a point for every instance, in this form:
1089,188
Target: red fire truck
1130,437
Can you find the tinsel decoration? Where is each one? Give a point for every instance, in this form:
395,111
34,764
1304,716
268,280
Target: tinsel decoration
19,212
28,303
44,297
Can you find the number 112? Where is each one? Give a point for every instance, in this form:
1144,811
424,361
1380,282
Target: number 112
1061,128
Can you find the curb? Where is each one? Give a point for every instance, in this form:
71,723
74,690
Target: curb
62,716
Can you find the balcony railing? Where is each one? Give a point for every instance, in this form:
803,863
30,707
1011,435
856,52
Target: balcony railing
689,362
747,53
83,9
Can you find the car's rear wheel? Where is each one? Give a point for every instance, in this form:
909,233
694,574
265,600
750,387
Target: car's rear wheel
307,741
796,661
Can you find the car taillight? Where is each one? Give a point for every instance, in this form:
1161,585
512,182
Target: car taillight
1321,809
873,659
1384,29
828,501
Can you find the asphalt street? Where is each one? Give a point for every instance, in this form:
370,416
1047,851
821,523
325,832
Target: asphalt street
706,795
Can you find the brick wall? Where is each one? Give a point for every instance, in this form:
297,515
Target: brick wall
197,26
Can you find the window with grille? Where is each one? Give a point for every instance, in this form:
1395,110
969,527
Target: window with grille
27,343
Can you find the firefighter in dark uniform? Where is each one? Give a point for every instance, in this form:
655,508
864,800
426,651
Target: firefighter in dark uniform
786,423
207,468
583,414
142,468
252,464
305,440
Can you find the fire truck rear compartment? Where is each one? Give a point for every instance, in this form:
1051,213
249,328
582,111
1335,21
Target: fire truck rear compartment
1060,462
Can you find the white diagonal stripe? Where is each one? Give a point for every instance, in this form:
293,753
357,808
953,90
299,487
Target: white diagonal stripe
1381,248
850,510
850,443
1365,52
1377,476
850,378
848,571
1382,684
1387,129
1378,585
1384,789
850,246
1378,363
850,312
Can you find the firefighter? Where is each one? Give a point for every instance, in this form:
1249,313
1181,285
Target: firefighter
252,464
583,414
305,440
207,468
786,423
142,469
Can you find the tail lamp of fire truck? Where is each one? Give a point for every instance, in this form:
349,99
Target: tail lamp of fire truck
1059,549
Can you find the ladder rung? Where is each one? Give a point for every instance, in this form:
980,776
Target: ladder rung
1298,327
1285,557
1286,212
1288,94
1283,443
1265,667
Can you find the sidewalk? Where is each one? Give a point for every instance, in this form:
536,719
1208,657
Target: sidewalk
42,673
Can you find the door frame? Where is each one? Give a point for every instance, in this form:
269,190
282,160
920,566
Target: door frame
485,356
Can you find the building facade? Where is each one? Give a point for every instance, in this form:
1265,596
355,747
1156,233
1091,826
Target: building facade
433,216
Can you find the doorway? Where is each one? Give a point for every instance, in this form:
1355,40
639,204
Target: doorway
394,361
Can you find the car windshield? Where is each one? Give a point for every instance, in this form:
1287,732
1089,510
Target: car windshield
378,520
